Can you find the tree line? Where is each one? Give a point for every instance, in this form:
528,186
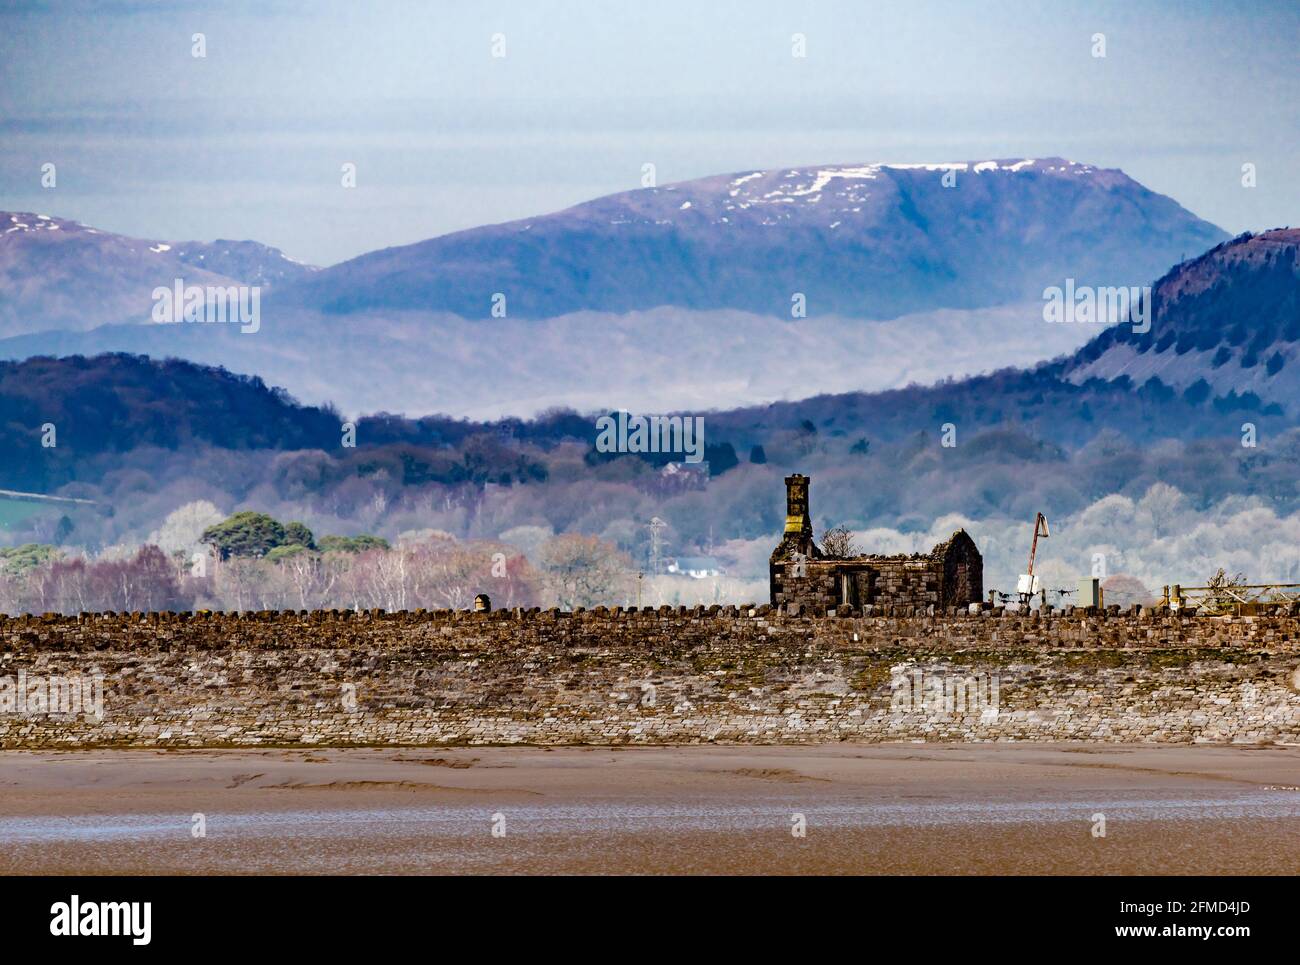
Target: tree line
251,561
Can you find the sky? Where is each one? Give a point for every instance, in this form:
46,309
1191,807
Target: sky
249,141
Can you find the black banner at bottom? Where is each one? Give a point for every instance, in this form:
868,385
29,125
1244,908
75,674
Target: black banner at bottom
144,915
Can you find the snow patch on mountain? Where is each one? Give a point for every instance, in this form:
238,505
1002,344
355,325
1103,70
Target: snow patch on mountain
843,183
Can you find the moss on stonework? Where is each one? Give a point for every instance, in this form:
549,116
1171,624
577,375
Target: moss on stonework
869,679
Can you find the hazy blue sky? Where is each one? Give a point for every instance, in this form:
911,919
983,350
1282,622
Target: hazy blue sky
248,142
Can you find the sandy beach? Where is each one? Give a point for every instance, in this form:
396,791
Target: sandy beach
866,809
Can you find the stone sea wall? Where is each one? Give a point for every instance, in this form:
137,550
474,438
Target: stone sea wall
751,675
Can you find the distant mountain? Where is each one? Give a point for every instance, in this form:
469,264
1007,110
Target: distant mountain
1225,323
866,241
60,274
663,298
252,262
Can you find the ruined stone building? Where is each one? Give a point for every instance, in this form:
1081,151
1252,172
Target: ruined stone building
803,578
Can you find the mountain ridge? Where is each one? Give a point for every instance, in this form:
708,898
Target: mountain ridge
863,240
1225,321
958,272
57,274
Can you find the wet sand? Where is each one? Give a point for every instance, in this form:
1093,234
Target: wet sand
868,809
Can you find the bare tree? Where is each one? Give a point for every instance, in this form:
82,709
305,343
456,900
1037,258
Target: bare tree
236,580
837,542
1222,590
584,571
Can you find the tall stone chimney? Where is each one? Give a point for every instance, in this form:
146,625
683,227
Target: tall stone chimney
797,520
797,537
796,546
